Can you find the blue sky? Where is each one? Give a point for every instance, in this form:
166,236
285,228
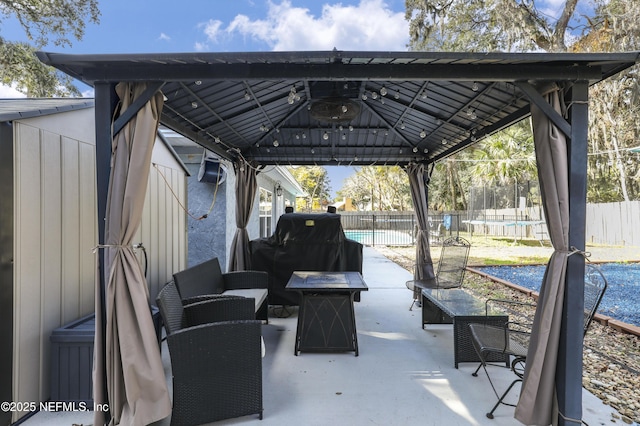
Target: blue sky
155,26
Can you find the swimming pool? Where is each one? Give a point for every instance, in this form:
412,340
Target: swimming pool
620,301
383,237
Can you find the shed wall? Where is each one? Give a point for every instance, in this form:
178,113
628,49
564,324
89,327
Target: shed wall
55,231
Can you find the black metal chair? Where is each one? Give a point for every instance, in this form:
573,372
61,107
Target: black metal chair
450,270
513,338
216,357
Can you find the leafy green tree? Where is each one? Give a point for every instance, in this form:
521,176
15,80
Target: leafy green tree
384,188
614,106
315,182
505,157
45,22
517,25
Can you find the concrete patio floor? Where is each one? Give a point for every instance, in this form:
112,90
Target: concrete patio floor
404,375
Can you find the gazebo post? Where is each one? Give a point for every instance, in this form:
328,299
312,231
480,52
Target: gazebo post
569,369
105,103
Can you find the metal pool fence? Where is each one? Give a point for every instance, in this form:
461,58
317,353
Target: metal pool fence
395,229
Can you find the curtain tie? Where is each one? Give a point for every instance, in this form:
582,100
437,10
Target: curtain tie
116,246
582,253
569,419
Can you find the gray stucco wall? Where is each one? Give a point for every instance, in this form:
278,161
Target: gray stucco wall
207,237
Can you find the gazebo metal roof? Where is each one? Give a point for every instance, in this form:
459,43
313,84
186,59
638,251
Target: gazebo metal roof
339,107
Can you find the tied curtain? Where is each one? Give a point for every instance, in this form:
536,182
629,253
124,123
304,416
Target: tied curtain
135,381
536,405
246,188
418,180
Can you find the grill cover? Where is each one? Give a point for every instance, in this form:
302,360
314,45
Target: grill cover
303,242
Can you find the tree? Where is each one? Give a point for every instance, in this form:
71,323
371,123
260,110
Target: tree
614,106
44,22
517,25
505,157
488,25
384,188
315,182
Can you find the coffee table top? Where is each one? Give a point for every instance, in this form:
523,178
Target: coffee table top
326,281
457,302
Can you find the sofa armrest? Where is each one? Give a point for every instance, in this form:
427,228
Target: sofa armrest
245,279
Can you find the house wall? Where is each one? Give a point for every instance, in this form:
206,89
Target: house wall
55,231
208,237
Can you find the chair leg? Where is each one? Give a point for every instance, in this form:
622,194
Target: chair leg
490,413
475,373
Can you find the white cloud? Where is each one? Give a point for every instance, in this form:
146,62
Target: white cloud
212,29
164,37
7,92
200,47
370,25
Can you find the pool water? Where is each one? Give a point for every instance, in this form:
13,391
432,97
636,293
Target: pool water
621,300
380,237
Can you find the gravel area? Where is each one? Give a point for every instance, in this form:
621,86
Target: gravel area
611,361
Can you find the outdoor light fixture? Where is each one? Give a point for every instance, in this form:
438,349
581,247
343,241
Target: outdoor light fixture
278,189
247,96
423,134
334,110
383,91
325,136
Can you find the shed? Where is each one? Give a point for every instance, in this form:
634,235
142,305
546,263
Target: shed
48,229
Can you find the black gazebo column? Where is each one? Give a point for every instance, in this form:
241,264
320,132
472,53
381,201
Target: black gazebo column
569,369
105,103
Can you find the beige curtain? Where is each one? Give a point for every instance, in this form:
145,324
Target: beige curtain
136,385
246,187
418,178
537,398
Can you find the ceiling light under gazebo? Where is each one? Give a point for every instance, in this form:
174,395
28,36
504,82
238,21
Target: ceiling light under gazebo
334,110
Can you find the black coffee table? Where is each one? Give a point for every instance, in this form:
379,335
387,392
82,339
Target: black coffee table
456,306
326,319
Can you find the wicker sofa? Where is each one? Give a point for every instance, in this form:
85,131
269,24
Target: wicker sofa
216,357
206,279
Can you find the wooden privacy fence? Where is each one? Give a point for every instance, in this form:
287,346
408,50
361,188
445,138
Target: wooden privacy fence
614,223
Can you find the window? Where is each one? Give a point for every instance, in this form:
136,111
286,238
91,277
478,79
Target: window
266,212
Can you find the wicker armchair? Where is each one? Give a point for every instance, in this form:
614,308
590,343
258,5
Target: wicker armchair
216,357
513,338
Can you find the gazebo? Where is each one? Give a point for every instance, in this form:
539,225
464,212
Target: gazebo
410,109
